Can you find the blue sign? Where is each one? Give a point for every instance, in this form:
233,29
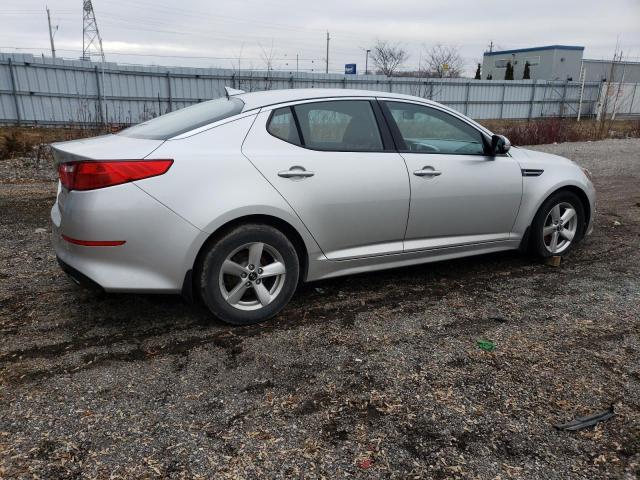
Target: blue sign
350,69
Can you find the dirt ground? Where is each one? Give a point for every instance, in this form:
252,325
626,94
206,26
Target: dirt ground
369,376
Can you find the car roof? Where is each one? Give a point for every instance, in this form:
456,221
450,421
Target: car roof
255,100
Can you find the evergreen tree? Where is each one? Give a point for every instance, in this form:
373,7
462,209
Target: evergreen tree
508,74
527,73
477,77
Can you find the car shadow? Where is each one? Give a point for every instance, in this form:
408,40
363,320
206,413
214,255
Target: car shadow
385,286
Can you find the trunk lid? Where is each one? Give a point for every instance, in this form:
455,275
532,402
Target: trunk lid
105,147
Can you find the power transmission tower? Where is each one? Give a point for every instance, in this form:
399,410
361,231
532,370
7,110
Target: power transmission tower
53,48
91,39
92,45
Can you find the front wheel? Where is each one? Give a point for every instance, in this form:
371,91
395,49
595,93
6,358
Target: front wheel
558,226
249,274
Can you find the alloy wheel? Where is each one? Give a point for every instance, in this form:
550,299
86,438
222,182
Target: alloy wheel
252,276
560,227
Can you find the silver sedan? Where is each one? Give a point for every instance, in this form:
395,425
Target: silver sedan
235,201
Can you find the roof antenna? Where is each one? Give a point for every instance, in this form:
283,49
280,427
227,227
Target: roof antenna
230,92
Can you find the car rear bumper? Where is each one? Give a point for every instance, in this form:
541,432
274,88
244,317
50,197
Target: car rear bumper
160,246
79,277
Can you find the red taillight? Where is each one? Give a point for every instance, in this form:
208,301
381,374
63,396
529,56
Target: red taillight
89,175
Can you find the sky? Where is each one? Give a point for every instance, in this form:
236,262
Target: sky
245,33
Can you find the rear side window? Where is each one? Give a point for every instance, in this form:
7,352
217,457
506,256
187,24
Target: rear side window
346,126
283,126
189,118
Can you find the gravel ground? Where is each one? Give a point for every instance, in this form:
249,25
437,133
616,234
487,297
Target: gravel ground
369,376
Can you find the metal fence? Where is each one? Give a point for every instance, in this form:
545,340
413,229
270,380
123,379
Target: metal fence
619,100
46,91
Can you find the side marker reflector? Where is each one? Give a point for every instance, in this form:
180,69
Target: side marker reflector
92,243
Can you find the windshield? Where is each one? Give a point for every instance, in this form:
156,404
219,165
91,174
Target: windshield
181,121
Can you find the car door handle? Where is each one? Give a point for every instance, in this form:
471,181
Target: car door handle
296,172
427,172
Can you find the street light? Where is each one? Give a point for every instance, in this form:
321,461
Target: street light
366,63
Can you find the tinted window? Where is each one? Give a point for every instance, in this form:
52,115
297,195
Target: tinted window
427,130
181,121
347,125
283,126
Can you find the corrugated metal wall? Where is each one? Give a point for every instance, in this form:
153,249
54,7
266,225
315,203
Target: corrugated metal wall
621,98
35,90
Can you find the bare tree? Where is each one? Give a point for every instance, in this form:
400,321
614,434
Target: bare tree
442,61
388,57
267,56
610,93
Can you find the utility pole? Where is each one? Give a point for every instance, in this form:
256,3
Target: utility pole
328,38
366,63
53,48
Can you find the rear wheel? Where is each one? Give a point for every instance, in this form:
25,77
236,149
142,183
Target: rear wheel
249,274
558,226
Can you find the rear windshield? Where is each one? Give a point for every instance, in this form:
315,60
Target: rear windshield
181,121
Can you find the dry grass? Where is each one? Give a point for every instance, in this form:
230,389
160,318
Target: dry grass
32,141
558,130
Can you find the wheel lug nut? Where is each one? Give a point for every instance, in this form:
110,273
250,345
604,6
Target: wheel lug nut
260,271
251,267
258,281
248,284
243,275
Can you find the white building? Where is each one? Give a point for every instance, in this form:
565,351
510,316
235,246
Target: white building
553,62
557,62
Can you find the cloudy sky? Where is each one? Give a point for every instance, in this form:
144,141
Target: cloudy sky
208,33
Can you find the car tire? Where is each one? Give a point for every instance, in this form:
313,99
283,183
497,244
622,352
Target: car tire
249,274
558,225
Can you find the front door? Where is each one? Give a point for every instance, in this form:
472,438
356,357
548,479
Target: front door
459,194
329,161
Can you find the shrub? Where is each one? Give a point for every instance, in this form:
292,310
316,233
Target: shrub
478,76
549,130
11,145
33,141
508,73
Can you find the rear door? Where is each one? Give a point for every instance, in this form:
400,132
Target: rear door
459,194
338,170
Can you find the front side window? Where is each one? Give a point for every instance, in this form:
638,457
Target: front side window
283,126
185,119
346,126
428,130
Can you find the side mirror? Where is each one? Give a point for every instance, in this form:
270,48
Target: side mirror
500,144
